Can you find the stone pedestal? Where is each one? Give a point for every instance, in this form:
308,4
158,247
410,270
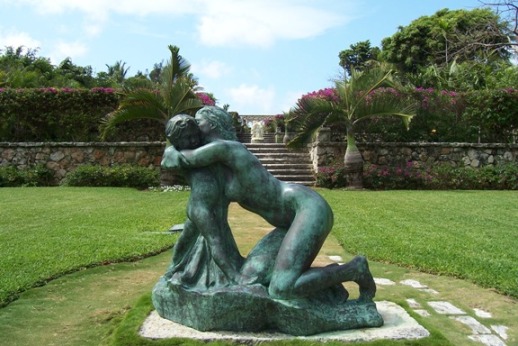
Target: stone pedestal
250,309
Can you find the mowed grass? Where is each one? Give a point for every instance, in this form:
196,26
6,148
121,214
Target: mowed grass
471,235
47,232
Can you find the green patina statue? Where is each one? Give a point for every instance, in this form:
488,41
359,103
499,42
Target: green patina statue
275,287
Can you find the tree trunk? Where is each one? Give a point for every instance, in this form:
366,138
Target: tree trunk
353,163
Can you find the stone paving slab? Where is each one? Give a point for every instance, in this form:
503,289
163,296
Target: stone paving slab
398,325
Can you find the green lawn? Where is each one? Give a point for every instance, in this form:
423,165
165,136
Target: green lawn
46,232
467,234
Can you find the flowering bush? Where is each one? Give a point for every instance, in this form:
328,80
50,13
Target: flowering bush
51,114
441,177
408,176
331,177
328,94
279,121
206,98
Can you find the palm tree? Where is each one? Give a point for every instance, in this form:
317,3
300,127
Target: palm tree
362,96
117,71
175,95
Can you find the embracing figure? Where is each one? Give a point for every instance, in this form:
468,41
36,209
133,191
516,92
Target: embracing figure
282,260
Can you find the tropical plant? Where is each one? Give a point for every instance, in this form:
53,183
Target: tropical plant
366,94
175,94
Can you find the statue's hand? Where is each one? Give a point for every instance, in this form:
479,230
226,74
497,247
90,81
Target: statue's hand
171,159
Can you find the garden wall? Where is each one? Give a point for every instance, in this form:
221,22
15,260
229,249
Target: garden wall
63,157
393,154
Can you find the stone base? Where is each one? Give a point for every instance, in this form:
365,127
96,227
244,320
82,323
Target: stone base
398,325
250,309
257,140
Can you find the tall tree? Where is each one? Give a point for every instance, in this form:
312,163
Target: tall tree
118,71
508,9
447,36
358,56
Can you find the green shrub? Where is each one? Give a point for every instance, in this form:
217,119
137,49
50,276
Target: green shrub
441,177
66,115
499,177
490,116
331,177
116,176
39,175
407,177
493,113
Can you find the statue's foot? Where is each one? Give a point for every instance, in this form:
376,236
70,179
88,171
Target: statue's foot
364,280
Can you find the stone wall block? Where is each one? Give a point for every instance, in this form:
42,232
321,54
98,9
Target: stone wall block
57,156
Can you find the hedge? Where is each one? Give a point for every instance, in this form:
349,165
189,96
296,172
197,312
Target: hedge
63,115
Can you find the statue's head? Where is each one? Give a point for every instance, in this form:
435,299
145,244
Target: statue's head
183,132
215,122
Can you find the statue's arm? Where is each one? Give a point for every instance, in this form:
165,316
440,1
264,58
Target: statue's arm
172,159
218,151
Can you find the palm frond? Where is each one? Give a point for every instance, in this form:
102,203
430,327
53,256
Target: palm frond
382,104
180,98
138,104
308,116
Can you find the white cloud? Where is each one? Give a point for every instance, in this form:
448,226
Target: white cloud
63,50
252,99
211,69
262,22
17,39
257,23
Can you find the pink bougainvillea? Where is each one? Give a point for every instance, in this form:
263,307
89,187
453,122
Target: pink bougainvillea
328,94
206,99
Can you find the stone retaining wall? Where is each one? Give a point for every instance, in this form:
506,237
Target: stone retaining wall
392,154
64,157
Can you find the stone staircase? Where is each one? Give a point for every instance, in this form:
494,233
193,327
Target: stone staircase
288,165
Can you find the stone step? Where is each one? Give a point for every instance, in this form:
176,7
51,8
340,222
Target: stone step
288,165
283,160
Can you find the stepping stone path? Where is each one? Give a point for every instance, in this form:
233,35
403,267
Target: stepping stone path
494,335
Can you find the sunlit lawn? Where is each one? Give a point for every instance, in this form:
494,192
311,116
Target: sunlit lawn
46,232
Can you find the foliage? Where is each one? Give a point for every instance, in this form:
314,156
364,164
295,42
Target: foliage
409,177
207,99
50,114
367,94
494,113
279,121
22,68
441,177
332,176
448,36
38,175
358,56
175,95
350,102
115,176
449,116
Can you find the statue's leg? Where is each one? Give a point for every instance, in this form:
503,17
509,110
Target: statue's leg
293,276
182,247
357,270
259,263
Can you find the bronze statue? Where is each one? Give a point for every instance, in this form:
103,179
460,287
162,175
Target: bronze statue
278,270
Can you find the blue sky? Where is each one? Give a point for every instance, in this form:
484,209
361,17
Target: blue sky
258,56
